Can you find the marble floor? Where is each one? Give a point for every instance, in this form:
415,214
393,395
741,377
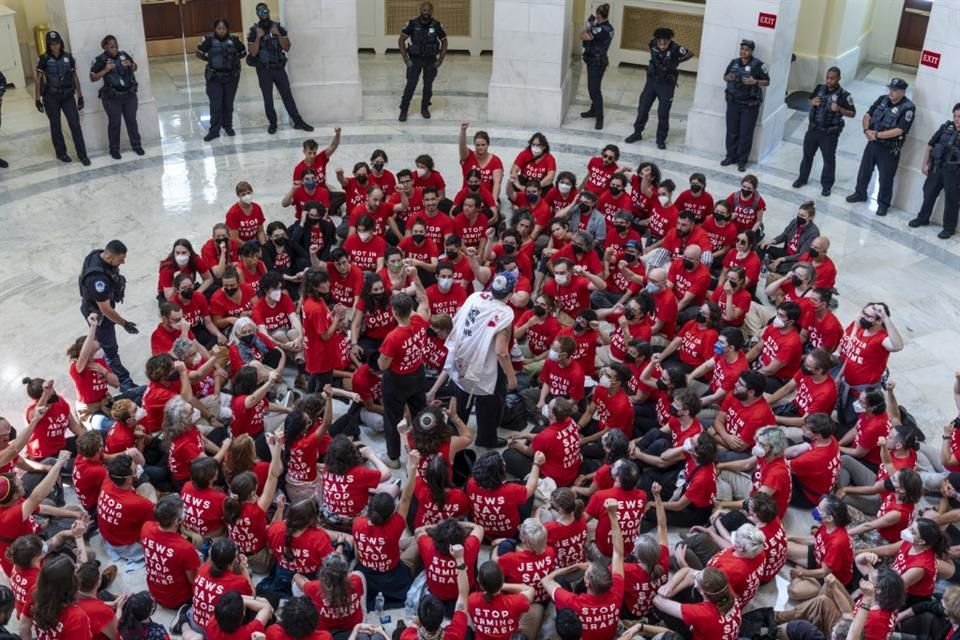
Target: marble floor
53,214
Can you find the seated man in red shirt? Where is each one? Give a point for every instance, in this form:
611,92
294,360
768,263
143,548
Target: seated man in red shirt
171,327
814,391
599,607
689,280
571,287
821,329
171,561
742,413
779,349
561,376
122,511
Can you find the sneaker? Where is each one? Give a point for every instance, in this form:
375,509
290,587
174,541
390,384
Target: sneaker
798,183
855,197
210,136
633,137
303,126
229,131
393,463
917,222
945,234
139,151
85,161
182,613
272,128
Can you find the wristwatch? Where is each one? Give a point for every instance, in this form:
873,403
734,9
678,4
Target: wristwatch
462,566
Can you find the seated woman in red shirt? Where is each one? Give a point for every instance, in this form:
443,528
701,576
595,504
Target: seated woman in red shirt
55,614
348,482
498,505
225,571
567,532
182,259
298,545
694,342
647,567
229,615
298,621
525,564
373,318
497,609
91,375
828,551
134,619
693,497
439,564
186,443
338,595
50,433
915,558
203,503
251,406
716,617
435,498
248,347
560,443
875,616
430,435
896,511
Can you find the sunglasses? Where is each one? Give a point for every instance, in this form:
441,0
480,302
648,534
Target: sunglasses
610,158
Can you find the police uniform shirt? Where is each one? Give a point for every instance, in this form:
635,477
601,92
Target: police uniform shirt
602,35
900,114
946,130
822,115
239,51
948,136
66,77
758,71
434,30
99,287
268,41
664,64
100,63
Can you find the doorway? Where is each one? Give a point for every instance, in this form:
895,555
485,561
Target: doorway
175,28
912,31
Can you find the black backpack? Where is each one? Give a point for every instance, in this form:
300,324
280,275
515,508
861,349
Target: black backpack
514,413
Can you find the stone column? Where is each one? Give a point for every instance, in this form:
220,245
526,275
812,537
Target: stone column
772,25
322,62
530,83
83,24
935,92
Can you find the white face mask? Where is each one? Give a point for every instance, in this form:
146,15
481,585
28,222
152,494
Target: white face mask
536,149
689,445
664,200
758,450
195,360
564,188
365,236
907,536
444,284
182,259
195,418
421,171
562,279
554,355
778,322
99,354
276,294
247,198
141,414
858,406
604,381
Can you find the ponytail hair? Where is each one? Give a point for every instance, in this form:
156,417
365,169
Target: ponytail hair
242,487
437,478
565,500
716,589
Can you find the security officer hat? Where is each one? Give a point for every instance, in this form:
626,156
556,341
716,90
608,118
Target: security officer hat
663,33
748,43
53,36
898,83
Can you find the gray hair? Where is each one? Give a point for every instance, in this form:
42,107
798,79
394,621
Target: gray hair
749,540
177,418
241,323
533,535
809,270
181,347
773,437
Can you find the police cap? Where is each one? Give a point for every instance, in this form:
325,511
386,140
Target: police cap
748,43
898,83
663,33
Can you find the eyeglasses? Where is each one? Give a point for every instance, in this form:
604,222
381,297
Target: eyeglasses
610,158
739,241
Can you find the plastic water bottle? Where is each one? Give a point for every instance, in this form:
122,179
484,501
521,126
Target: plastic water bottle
378,607
762,283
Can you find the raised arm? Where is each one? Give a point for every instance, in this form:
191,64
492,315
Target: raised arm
46,485
275,442
611,505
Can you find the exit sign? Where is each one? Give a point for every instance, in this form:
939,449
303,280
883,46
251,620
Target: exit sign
767,20
930,59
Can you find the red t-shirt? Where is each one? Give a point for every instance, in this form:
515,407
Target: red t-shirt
378,547
560,443
276,632
614,412
301,197
665,310
423,252
275,317
74,624
344,288
824,333
456,505
497,510
202,509
569,540
247,421
91,386
245,632
639,330
598,613
319,167
834,550
337,618
162,339
817,470
696,282
456,630
471,233
571,297
774,549
744,420
815,397
535,167
13,524
88,475
640,588
826,271
631,506
405,346
870,428
249,532
121,513
442,570
439,226
745,212
498,617
723,237
662,220
223,307
706,621
210,252
527,567
585,353
701,205
726,374
599,174
184,449
364,254
696,343
741,300
486,171
168,559
347,495
49,436
380,217
377,323
925,560
785,347
701,483
207,591
864,357
309,548
316,319
775,475
563,381
539,336
22,583
243,223
904,511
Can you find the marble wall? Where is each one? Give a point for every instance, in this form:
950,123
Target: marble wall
322,63
725,24
84,23
531,75
935,92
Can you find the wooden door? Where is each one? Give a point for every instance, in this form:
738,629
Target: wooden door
913,30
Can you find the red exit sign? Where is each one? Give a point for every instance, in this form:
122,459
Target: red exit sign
930,59
767,20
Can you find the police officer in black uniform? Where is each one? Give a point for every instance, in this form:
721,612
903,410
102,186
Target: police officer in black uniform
56,88
119,94
885,125
223,53
941,165
662,73
101,289
745,76
268,43
425,52
829,105
596,37
3,89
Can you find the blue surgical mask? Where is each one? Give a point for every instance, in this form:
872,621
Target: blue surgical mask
652,288
718,348
816,514
309,184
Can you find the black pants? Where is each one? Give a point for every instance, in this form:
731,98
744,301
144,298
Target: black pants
826,142
429,70
690,516
276,76
518,465
944,179
318,381
122,105
107,337
741,121
400,392
662,92
53,104
204,337
489,410
221,90
595,70
885,158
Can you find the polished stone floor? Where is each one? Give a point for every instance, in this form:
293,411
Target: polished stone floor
53,214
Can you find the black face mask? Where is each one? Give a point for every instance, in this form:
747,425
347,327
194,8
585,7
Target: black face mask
532,198
796,281
578,250
539,310
509,249
740,395
661,385
695,189
629,359
231,291
865,324
378,297
702,319
473,187
805,369
248,339
629,314
813,253
378,166
801,221
579,326
674,411
622,228
452,255
418,237
361,179
689,264
684,233
629,258
584,207
746,195
279,241
431,332
719,217
616,191
186,294
888,485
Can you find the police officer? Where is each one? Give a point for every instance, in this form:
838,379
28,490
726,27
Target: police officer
269,44
885,125
745,77
3,89
222,52
54,87
425,52
101,288
829,105
119,94
941,165
596,37
662,73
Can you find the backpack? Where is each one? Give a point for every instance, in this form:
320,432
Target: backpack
759,624
514,413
